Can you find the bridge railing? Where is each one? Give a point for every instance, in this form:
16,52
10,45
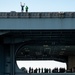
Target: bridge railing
37,15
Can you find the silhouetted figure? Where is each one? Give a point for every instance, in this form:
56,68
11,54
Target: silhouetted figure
24,69
62,70
55,70
29,69
35,71
39,70
26,8
46,70
32,70
22,6
49,70
42,70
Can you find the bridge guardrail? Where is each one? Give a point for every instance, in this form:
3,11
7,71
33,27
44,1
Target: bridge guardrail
37,15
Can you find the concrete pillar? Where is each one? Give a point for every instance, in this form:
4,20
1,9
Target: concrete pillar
71,62
12,57
2,60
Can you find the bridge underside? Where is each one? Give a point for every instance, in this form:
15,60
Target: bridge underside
44,44
37,45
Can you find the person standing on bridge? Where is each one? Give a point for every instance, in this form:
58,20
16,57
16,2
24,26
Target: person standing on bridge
26,8
22,6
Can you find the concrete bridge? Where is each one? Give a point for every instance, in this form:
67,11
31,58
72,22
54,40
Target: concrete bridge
36,36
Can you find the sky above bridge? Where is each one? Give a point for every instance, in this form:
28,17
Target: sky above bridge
38,5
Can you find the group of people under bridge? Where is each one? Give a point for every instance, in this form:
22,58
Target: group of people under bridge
47,70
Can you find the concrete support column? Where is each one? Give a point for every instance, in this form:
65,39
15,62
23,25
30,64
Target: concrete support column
12,59
2,60
71,62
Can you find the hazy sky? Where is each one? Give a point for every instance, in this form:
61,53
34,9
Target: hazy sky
38,5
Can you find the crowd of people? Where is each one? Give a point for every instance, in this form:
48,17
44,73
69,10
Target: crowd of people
48,70
43,70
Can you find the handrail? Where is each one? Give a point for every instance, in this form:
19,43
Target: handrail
37,15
